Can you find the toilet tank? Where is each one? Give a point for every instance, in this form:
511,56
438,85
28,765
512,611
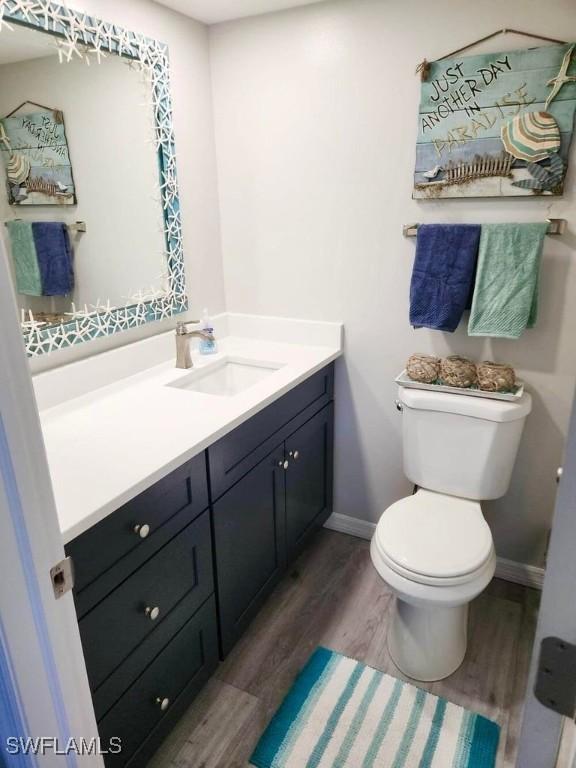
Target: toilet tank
461,445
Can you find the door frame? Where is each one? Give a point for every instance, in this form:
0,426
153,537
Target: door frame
541,727
43,679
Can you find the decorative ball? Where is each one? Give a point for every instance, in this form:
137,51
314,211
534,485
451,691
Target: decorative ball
423,368
496,377
456,371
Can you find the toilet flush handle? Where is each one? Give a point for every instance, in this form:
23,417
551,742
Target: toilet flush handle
399,405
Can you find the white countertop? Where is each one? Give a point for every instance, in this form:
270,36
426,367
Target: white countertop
107,445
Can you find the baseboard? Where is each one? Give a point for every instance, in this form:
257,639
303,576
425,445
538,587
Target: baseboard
362,529
509,570
519,573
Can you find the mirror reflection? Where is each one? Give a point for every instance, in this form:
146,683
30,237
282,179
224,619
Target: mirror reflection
80,204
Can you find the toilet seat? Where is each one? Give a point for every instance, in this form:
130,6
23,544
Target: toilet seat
434,539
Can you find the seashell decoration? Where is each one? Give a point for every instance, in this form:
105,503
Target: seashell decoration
531,136
496,377
423,368
18,168
456,371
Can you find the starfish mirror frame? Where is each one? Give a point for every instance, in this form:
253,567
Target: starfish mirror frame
80,34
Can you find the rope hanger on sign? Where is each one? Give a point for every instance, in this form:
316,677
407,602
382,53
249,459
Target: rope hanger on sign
423,69
25,103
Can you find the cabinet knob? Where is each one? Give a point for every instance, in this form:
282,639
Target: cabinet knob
294,455
284,464
163,703
152,613
142,530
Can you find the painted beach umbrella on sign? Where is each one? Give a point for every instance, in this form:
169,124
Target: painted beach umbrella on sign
18,168
532,136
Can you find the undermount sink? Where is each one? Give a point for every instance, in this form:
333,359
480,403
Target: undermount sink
226,377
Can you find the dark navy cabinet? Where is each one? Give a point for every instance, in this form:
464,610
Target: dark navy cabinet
250,544
146,609
238,452
169,582
282,495
309,452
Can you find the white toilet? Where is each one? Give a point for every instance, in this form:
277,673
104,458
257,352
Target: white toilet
434,549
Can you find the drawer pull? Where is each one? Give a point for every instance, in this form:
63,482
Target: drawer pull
152,613
294,455
284,464
142,530
163,703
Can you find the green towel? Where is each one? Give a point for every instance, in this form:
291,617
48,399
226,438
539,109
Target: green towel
24,256
506,292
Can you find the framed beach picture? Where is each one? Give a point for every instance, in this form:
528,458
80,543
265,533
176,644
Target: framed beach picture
496,125
36,159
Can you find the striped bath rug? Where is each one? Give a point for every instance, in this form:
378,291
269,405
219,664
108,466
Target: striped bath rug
343,714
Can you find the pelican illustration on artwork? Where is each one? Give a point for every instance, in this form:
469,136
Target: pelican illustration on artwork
561,78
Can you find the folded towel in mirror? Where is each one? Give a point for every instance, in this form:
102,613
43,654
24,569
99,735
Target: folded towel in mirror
23,250
55,260
443,274
505,300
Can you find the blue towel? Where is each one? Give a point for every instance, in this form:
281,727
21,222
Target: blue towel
443,274
54,254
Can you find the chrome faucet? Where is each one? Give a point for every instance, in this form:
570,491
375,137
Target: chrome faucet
183,336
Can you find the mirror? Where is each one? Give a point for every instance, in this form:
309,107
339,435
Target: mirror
89,199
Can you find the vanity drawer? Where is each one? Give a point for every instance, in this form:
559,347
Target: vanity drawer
133,533
177,674
235,454
121,622
116,684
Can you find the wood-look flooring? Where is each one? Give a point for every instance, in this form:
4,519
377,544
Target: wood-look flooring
332,596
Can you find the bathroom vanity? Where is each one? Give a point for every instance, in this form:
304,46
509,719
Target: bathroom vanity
167,581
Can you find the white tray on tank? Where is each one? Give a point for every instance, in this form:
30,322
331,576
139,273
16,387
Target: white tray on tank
405,381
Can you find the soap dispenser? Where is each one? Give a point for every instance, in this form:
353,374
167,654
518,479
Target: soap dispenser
207,345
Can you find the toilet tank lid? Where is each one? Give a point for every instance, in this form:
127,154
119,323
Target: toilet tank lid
476,407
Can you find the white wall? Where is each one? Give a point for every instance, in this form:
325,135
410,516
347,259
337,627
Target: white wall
192,107
315,115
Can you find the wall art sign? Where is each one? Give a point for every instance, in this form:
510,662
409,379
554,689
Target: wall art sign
496,125
36,158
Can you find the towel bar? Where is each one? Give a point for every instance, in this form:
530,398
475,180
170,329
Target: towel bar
555,227
77,226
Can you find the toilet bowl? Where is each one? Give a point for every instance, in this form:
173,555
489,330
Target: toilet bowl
436,554
434,549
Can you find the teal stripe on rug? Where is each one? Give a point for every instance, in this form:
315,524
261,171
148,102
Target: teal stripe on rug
365,723
294,733
410,732
484,743
290,709
355,725
328,732
464,741
383,725
434,735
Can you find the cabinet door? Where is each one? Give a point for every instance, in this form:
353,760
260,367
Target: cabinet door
309,452
249,544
